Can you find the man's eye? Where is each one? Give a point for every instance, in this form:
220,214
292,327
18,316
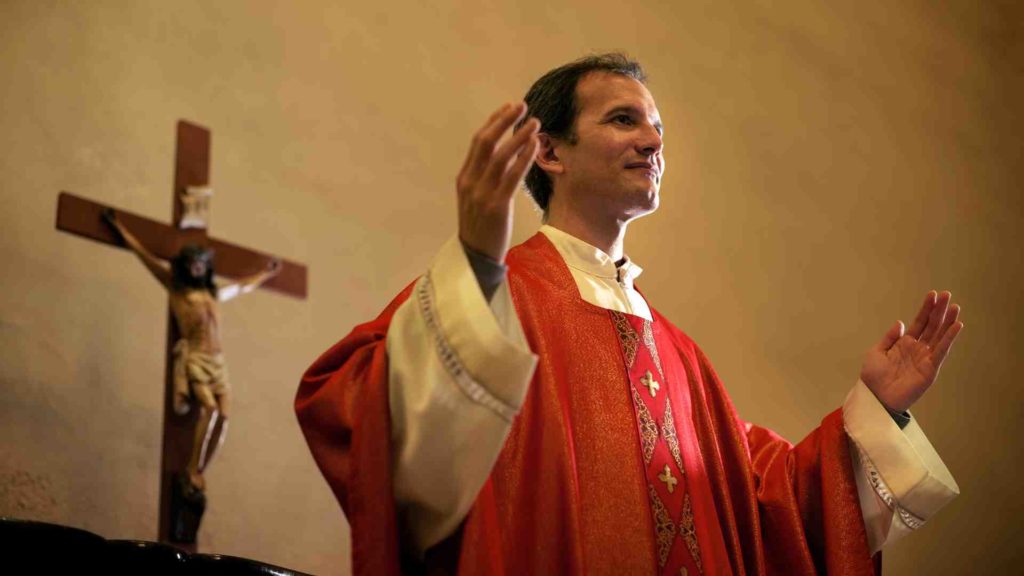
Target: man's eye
623,119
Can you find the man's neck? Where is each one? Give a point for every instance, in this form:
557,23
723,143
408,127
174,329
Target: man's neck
607,236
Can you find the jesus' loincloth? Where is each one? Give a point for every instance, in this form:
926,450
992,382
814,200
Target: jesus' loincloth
204,375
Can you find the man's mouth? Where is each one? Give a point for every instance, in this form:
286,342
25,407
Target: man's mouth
645,166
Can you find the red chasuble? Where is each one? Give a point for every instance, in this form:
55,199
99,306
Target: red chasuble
626,458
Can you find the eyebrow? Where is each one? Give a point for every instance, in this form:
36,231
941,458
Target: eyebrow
633,110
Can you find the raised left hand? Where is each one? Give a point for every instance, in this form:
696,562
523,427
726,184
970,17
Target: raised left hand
900,368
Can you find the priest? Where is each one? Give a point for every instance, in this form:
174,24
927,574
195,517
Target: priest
527,411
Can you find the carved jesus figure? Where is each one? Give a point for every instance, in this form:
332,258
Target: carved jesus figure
200,375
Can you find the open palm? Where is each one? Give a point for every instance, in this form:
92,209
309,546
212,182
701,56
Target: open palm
901,367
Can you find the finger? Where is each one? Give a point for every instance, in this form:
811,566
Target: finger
514,175
486,141
936,317
473,147
891,336
499,163
947,342
917,326
951,317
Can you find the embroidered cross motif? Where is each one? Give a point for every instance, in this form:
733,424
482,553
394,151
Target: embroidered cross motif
669,480
651,384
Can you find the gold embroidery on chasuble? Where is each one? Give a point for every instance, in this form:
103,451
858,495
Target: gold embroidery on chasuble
627,336
669,480
651,347
663,460
648,427
650,383
664,528
668,430
689,532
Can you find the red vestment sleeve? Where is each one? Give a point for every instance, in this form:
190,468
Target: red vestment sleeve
809,488
342,407
798,504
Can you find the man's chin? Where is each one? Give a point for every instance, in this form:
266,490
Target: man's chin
651,197
646,202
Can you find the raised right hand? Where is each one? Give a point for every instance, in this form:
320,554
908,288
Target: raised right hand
489,178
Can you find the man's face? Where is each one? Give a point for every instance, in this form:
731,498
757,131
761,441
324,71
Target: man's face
614,169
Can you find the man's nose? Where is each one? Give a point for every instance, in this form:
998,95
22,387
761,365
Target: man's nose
650,142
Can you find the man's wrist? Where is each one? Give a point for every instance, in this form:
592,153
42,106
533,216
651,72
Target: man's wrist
489,272
900,418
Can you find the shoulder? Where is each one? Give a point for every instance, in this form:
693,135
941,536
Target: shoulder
537,265
681,339
533,255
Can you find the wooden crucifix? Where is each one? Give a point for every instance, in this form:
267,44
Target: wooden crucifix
188,439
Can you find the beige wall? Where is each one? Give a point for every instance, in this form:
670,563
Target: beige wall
827,164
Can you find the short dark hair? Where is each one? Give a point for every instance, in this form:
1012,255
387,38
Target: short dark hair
552,101
181,276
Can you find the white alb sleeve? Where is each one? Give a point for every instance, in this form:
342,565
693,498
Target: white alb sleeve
459,369
901,480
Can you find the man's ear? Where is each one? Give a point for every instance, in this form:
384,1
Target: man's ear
547,156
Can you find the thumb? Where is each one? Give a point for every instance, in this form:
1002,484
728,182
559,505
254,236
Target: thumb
893,334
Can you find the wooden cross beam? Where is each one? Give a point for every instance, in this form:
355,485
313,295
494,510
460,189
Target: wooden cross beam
83,217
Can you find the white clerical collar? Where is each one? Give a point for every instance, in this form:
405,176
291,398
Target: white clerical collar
591,260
